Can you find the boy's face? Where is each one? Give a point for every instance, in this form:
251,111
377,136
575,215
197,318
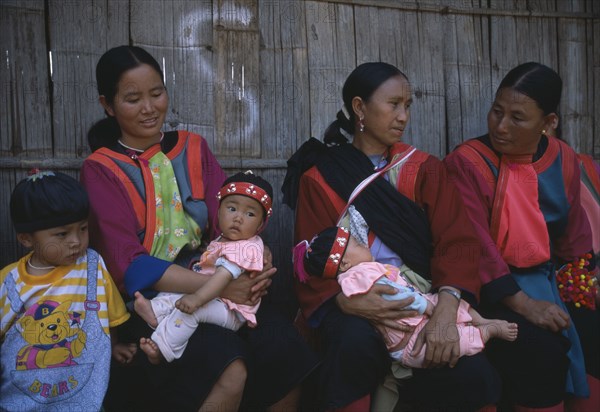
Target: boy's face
58,246
240,217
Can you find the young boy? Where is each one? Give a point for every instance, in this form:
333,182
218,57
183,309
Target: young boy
57,303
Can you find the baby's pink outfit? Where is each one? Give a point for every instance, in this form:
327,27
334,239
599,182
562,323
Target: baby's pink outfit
175,327
360,279
247,254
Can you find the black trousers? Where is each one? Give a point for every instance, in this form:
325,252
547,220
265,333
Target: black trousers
276,357
534,366
587,323
355,360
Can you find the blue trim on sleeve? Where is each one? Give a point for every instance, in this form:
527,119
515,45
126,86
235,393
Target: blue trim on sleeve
143,273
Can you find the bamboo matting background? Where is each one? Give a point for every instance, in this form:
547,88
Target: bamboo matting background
257,78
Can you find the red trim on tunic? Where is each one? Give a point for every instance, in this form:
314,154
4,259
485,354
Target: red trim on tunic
104,157
407,182
548,157
590,170
150,196
194,143
471,150
569,163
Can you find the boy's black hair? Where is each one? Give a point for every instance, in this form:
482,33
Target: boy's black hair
47,199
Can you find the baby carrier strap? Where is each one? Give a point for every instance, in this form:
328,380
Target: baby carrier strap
92,280
16,304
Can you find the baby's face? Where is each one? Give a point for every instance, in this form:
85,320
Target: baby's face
357,252
240,217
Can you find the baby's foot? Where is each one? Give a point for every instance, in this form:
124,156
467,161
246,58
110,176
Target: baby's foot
497,328
143,307
188,304
151,349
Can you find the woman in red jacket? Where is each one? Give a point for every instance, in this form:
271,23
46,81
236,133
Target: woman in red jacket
411,214
521,188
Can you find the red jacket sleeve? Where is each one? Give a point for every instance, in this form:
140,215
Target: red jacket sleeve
456,245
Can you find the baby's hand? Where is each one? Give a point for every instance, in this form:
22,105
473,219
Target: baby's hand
124,352
187,304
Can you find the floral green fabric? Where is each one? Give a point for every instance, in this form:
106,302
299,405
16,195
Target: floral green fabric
175,229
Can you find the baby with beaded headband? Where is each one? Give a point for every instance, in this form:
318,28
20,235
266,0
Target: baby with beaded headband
58,304
335,254
245,201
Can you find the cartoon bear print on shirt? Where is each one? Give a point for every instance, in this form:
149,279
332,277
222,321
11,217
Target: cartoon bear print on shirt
52,340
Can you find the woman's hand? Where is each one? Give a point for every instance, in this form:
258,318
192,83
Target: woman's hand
546,315
378,311
440,335
251,286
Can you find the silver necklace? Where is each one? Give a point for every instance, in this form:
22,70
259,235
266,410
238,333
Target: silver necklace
129,147
39,267
162,135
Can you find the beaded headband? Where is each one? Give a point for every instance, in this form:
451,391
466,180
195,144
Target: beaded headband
336,253
250,190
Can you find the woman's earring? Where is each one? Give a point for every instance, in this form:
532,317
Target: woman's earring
361,125
544,132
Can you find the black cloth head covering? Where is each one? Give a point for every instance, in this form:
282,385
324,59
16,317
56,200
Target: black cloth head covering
47,199
319,250
398,221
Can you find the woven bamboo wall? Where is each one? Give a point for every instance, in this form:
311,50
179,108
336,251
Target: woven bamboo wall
257,78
